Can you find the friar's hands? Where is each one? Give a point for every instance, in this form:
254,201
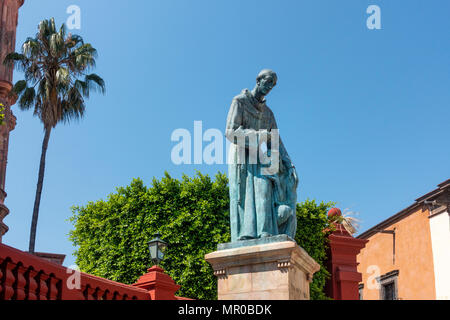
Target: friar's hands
293,174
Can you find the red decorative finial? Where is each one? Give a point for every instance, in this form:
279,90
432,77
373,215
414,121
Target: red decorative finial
334,212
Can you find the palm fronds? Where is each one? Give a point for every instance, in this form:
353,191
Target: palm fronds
55,65
350,222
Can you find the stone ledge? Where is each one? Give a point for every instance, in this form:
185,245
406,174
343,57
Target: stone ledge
4,211
254,242
5,88
3,230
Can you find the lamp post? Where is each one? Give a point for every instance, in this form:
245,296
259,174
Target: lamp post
157,248
159,284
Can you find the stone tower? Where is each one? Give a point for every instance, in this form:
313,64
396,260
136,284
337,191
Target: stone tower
9,13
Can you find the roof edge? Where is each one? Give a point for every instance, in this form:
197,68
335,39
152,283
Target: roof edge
389,221
405,212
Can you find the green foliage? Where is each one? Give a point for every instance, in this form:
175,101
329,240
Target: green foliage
193,217
2,114
312,220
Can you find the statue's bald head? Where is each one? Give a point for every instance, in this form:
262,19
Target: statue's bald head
267,73
266,80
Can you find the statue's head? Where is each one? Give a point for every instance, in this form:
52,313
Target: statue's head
266,80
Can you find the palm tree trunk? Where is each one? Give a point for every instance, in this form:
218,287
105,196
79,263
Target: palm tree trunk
37,199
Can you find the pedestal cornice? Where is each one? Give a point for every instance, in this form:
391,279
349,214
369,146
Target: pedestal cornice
286,254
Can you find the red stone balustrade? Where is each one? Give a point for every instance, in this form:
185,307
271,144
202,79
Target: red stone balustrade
26,277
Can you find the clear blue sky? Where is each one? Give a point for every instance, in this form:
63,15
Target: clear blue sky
363,113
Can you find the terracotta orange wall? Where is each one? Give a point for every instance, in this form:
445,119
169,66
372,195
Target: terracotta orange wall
413,258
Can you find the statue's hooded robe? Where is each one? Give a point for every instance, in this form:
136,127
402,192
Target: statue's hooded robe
260,205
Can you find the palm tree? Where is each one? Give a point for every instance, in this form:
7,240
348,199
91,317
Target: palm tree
55,65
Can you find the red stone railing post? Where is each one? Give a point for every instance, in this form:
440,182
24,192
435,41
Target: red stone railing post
159,285
342,264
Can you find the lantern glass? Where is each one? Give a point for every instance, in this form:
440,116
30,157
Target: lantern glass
161,250
153,251
157,248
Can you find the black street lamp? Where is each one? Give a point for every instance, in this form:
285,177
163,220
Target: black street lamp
157,247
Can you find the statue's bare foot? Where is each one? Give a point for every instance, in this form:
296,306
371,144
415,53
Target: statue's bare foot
265,235
243,238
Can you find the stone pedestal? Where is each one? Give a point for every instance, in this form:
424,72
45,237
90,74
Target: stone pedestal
264,269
